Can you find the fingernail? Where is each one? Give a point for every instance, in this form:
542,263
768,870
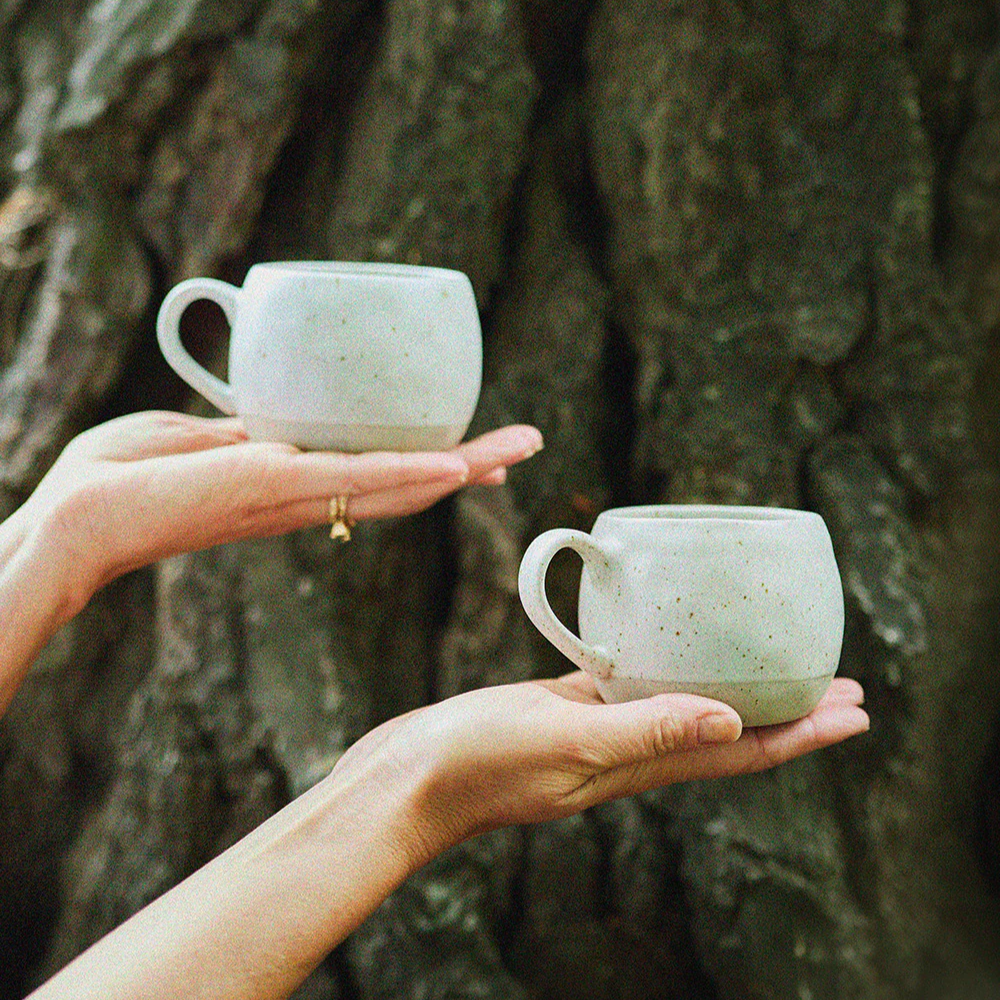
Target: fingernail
719,729
534,447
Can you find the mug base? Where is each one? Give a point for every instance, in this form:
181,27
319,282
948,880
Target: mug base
355,438
759,703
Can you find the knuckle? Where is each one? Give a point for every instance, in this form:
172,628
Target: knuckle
669,734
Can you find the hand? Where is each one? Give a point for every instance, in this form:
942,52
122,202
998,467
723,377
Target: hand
137,489
539,750
406,791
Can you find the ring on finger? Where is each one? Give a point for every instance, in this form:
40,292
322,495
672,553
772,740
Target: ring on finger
340,521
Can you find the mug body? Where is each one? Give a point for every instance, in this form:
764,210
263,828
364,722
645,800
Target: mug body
356,357
742,604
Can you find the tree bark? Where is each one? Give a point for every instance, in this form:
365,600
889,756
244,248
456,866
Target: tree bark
735,252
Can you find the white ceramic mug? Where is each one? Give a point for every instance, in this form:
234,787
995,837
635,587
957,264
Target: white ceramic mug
741,604
345,356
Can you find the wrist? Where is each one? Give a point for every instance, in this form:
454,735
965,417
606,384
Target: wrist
61,541
316,869
415,760
34,604
393,785
51,570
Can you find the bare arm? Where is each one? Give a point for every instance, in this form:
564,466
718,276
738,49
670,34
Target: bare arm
255,921
150,485
252,923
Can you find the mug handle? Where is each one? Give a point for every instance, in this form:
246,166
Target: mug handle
168,333
531,586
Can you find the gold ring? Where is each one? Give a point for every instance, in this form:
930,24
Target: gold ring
340,523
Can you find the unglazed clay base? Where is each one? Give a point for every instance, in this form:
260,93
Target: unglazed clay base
759,703
354,437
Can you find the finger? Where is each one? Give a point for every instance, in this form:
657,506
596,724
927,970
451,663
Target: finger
756,750
621,736
579,686
261,476
835,719
843,689
505,446
311,513
410,499
830,722
768,746
157,432
370,472
495,477
399,502
195,500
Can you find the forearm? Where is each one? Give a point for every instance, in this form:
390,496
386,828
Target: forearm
255,921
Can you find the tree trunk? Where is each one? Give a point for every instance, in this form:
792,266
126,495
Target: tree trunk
735,252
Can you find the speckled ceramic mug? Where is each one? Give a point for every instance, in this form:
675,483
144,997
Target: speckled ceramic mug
741,604
336,355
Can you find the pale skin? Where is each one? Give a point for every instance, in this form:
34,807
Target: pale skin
252,923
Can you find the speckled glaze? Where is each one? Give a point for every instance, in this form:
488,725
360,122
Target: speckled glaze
742,604
337,355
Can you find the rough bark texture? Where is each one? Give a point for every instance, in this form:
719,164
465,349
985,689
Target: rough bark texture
740,252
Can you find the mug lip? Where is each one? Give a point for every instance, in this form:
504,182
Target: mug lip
359,268
732,513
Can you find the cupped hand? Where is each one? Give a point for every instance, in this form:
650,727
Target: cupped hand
539,750
150,485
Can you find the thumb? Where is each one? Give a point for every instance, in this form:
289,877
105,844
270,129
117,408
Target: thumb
635,732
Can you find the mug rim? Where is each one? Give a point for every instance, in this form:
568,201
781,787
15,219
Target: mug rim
354,268
733,513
